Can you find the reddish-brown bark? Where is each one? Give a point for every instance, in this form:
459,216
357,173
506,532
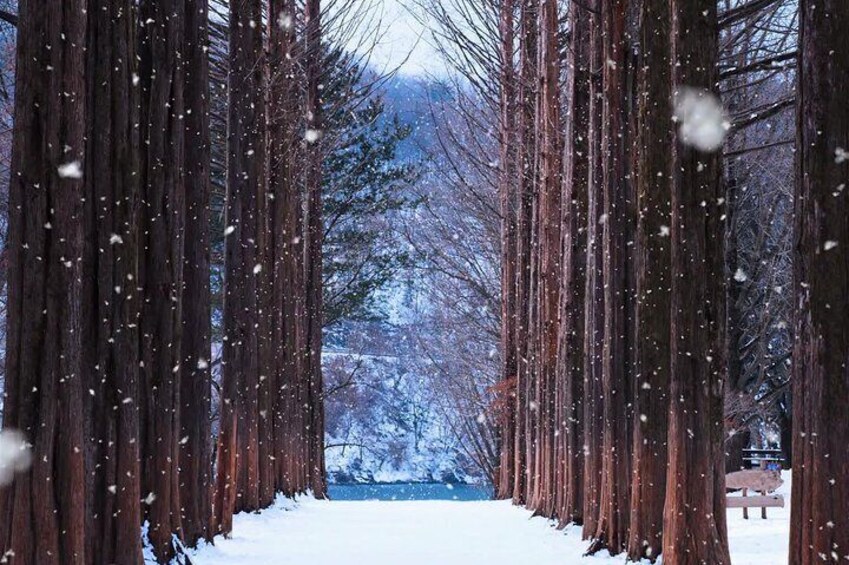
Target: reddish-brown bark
614,512
43,513
161,264
820,504
575,199
694,515
549,220
237,483
526,169
594,295
286,232
508,180
110,302
313,238
653,248
195,374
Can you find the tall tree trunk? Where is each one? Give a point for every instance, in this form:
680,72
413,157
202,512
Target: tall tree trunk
575,201
163,212
196,378
507,195
550,250
528,96
286,232
314,232
594,295
526,168
110,304
820,503
612,531
694,515
653,258
43,513
237,482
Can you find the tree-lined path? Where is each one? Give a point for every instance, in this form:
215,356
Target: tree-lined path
439,533
603,268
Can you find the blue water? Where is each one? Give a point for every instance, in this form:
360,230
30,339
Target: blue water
410,491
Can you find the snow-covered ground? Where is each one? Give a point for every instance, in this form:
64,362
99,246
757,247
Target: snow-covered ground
310,532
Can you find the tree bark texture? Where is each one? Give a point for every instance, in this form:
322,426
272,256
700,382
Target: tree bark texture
820,504
111,303
43,513
195,372
550,252
508,181
614,512
572,297
694,515
237,481
653,261
161,269
594,295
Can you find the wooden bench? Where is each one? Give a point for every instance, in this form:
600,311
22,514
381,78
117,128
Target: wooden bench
762,482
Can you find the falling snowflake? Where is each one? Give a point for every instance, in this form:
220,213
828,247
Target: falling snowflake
72,170
149,499
312,135
15,455
703,122
829,245
115,239
841,155
284,21
741,276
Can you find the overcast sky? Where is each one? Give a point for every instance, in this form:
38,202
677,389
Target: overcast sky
404,37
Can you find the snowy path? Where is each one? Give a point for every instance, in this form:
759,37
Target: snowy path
312,532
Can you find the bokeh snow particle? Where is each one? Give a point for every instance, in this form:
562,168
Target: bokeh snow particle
15,455
72,170
702,121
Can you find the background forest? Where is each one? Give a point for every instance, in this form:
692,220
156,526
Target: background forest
413,245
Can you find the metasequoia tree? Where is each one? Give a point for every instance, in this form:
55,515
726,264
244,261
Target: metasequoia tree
43,514
594,293
820,380
237,485
313,237
286,233
526,168
508,180
161,73
110,301
652,306
195,372
549,220
570,358
694,514
616,391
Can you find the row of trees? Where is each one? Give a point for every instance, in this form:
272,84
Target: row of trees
615,302
109,343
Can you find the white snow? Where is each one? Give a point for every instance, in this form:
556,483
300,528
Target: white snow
702,121
72,170
15,455
445,533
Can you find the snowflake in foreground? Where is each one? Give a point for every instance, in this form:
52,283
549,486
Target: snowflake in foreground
15,455
71,170
702,121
